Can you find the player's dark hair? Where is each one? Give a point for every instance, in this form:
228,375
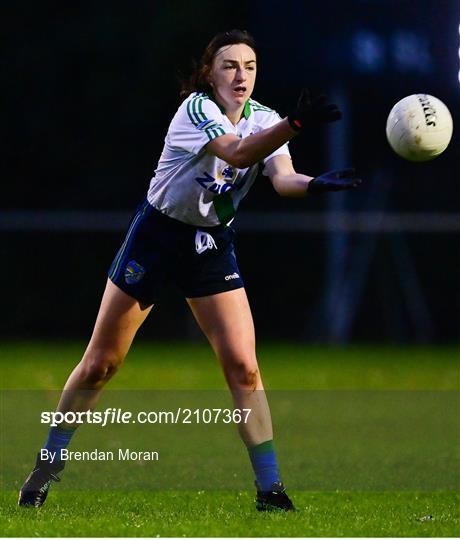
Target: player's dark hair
198,80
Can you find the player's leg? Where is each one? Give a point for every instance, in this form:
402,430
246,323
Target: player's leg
119,318
226,320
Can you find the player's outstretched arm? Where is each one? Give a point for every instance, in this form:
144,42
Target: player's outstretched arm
242,153
288,183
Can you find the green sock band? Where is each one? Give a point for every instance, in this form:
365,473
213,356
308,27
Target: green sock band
262,448
263,460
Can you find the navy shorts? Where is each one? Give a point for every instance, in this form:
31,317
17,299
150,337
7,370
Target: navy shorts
200,260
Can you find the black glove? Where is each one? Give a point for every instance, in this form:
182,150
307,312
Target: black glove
313,111
334,181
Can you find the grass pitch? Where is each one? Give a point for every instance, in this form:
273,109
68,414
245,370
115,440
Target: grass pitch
418,496
231,514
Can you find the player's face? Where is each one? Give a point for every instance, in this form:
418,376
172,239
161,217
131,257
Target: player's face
233,75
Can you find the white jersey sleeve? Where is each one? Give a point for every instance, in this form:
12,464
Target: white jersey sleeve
265,118
197,122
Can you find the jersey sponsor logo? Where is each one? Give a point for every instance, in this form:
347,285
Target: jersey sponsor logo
226,181
232,276
134,272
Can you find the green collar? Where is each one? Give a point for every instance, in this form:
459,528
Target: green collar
246,109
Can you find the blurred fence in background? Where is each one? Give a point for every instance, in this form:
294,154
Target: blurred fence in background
398,281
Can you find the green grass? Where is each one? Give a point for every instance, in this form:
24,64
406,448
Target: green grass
284,366
231,514
368,440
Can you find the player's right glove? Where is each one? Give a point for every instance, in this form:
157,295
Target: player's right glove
334,181
311,112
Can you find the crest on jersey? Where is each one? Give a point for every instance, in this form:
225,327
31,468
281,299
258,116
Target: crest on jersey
134,272
227,174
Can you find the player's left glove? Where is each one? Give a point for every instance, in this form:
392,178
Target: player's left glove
337,180
312,112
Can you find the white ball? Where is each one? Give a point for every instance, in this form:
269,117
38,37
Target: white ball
419,127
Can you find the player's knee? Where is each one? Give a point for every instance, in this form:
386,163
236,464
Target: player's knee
243,374
101,365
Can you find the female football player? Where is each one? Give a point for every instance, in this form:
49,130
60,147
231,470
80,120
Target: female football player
213,148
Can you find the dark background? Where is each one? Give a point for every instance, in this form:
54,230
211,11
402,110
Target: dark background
89,90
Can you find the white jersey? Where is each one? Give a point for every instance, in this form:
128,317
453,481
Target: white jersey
194,186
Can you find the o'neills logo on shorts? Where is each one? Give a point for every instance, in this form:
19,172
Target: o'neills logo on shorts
232,276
